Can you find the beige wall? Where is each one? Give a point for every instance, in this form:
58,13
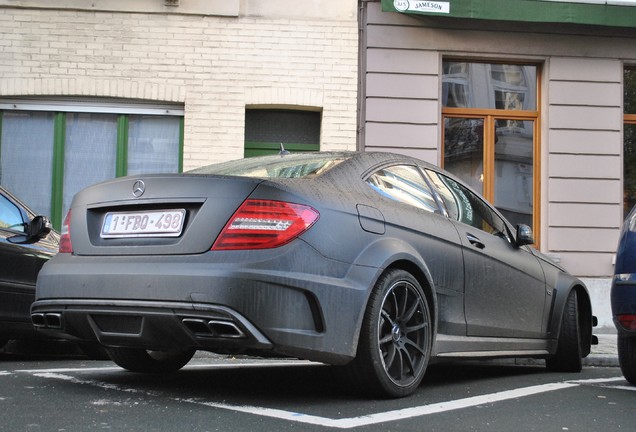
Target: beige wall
581,116
583,155
214,57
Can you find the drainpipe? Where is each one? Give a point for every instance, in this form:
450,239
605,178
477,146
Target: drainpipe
362,74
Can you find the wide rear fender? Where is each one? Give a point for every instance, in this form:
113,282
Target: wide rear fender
387,253
563,285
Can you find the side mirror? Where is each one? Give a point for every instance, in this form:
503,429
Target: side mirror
39,228
524,235
35,230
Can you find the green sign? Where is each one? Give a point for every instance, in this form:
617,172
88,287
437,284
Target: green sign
610,13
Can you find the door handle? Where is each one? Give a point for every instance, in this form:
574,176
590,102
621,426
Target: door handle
475,241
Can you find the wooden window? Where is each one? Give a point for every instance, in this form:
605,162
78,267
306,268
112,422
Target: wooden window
490,136
629,140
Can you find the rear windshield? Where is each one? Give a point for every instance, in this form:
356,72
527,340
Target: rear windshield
287,166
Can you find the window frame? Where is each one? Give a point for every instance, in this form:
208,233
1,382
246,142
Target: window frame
490,117
24,217
253,148
628,119
486,212
63,106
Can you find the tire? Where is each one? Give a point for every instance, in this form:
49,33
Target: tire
395,338
568,356
145,361
627,357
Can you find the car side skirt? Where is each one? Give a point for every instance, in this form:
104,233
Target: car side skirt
448,346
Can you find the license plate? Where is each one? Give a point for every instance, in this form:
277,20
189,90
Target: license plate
156,223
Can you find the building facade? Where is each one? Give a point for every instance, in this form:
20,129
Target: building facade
533,102
524,99
95,90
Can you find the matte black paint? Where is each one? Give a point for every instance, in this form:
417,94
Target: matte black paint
306,299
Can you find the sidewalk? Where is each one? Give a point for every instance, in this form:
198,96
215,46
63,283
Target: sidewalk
604,354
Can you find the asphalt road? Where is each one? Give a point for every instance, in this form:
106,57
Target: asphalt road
219,393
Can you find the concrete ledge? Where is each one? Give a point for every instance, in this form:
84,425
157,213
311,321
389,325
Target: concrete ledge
180,7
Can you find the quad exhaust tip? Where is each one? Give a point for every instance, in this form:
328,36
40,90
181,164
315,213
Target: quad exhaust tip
50,320
200,326
213,328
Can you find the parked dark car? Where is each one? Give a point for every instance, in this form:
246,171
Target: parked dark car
26,243
623,297
374,261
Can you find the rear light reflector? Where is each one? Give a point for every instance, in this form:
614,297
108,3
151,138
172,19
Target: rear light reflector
65,235
628,322
263,224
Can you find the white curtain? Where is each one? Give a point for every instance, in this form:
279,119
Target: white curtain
153,144
90,152
26,156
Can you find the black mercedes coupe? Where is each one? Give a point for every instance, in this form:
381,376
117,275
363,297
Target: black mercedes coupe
375,262
26,243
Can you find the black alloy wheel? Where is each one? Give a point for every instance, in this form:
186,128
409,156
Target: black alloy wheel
395,338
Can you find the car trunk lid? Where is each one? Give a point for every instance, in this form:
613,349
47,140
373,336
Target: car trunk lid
155,214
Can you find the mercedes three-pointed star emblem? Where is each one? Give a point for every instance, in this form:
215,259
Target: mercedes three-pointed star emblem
138,189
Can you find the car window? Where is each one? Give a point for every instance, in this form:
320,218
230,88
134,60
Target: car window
405,184
465,206
449,201
10,215
289,166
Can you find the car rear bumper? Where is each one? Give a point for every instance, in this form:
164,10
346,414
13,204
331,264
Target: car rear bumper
623,300
150,325
173,303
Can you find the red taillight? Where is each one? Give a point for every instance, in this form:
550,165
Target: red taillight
262,224
65,235
628,322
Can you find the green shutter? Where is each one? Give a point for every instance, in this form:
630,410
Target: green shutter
57,181
121,161
181,134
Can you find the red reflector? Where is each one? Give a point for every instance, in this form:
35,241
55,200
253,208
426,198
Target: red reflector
65,235
628,322
262,224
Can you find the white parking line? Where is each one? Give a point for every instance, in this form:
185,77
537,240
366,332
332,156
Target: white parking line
298,417
389,416
598,380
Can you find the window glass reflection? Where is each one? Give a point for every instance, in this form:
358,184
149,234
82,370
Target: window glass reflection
464,150
629,168
491,86
10,216
514,170
629,91
404,184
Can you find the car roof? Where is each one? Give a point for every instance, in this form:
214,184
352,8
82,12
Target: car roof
361,162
